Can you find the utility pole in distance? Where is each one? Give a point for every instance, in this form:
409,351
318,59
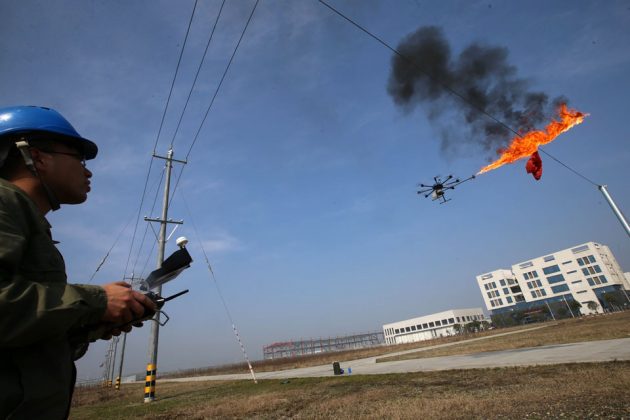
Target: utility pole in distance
149,389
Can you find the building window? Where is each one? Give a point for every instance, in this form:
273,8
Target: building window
509,299
576,282
543,292
486,286
486,276
538,283
533,293
567,262
413,328
551,269
585,271
581,291
451,321
591,258
502,282
425,326
560,288
555,279
431,324
492,303
525,265
506,291
597,269
397,330
572,271
549,258
437,323
500,301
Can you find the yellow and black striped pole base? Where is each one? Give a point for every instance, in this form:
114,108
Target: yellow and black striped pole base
149,384
118,383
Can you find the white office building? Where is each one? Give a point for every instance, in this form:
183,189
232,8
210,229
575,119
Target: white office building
584,273
426,327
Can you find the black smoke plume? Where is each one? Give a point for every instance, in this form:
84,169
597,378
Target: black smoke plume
427,73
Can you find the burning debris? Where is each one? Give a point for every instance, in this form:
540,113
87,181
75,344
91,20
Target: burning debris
527,144
481,87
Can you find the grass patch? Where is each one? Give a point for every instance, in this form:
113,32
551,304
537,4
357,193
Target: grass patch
605,327
570,390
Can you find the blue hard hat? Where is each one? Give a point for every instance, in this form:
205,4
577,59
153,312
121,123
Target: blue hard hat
36,119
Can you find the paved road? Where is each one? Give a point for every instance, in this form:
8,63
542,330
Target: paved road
591,351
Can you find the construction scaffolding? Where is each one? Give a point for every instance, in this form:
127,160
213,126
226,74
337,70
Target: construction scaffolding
322,345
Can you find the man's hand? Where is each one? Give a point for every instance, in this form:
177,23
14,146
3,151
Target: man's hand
125,304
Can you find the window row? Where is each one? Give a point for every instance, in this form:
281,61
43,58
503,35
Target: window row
560,288
496,302
551,269
555,279
534,283
594,281
539,293
493,294
490,286
437,323
586,260
530,275
591,270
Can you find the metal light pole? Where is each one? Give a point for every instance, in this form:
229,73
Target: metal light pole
149,391
615,209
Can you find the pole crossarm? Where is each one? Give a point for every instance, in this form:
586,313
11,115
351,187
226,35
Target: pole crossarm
170,159
151,219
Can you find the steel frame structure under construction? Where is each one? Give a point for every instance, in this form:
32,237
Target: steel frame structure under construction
321,345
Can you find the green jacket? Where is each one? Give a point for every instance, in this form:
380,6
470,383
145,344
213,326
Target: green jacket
39,311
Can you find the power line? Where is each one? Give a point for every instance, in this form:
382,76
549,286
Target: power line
227,68
168,100
444,85
216,92
197,74
146,182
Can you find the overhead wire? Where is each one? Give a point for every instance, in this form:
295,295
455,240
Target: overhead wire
214,96
443,84
192,87
146,183
148,225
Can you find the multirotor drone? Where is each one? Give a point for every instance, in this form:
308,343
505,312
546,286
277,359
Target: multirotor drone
436,191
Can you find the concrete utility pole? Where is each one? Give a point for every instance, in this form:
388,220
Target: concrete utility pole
615,209
149,390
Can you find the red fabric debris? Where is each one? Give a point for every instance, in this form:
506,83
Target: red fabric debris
534,166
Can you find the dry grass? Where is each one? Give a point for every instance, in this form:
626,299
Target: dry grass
560,391
616,325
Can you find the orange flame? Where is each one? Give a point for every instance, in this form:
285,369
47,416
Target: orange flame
523,146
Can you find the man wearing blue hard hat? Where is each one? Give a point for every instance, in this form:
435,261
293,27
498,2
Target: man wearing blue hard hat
46,323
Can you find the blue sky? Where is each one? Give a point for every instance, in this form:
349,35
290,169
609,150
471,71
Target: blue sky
302,183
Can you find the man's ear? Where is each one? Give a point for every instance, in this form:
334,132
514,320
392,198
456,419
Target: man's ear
39,160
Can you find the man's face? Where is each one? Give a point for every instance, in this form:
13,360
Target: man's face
63,171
